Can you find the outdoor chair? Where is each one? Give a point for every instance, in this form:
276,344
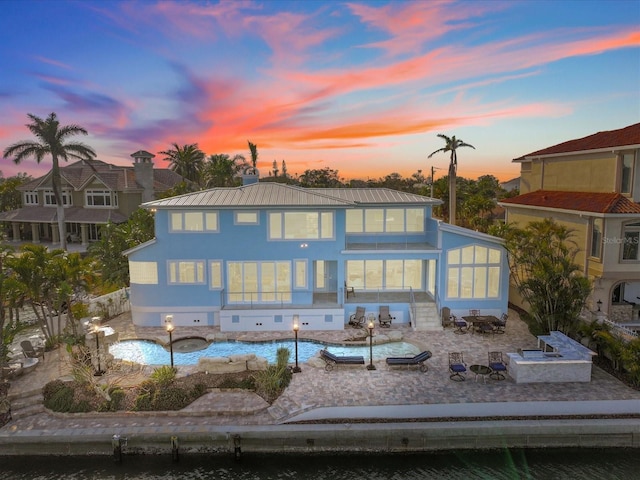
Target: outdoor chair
461,325
474,312
486,328
357,319
501,324
384,317
457,367
30,351
418,359
497,365
332,360
446,317
349,290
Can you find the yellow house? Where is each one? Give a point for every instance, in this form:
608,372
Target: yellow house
592,186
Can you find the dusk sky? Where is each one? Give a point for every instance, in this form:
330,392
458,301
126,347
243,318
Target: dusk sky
362,87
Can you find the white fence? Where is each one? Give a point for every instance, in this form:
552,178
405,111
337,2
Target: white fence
110,305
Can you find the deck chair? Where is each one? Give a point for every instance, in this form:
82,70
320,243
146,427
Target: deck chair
418,359
457,367
474,312
384,317
501,324
357,319
30,351
332,360
349,290
497,365
461,325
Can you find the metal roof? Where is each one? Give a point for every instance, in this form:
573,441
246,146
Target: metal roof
281,195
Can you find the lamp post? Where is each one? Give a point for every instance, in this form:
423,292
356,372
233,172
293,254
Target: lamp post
99,371
371,366
296,327
599,302
169,327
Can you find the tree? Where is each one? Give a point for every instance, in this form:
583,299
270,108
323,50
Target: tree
10,196
253,148
451,145
52,140
220,170
320,178
187,161
541,262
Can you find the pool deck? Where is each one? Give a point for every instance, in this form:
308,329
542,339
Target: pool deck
350,408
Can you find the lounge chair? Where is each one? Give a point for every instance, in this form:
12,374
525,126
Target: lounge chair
384,317
349,290
497,365
457,367
332,360
501,324
30,351
418,359
357,319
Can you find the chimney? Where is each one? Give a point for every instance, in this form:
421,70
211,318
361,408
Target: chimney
250,175
143,170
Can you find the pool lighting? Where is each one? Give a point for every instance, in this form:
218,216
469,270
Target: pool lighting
371,366
296,327
169,326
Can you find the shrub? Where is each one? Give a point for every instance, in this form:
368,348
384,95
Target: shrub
164,375
198,390
117,396
61,400
171,398
51,388
143,403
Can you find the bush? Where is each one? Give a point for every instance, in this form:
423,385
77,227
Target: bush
50,389
271,382
171,398
198,390
143,403
61,400
117,396
164,375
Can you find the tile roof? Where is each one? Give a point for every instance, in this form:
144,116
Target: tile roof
71,215
623,137
579,201
270,194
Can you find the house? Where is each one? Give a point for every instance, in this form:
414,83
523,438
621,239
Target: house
94,193
592,186
251,258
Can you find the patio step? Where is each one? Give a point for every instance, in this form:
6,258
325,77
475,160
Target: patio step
26,406
427,318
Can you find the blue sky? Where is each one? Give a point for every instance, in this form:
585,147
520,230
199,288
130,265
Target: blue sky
362,87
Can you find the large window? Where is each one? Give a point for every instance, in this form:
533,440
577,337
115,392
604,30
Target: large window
596,238
186,272
301,225
31,198
101,198
384,274
215,274
631,242
246,218
50,198
385,220
473,272
195,221
626,174
143,273
259,282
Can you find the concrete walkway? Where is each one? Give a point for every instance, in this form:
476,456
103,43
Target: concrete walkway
347,394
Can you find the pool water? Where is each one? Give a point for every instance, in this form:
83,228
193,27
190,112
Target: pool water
150,353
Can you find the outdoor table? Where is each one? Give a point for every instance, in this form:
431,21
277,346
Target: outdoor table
481,370
478,320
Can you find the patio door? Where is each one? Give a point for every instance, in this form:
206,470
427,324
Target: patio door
325,278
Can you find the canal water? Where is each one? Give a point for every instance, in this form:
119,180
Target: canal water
514,464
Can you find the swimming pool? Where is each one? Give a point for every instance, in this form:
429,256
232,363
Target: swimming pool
150,353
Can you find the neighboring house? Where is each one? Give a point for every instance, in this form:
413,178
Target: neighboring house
94,194
511,185
592,186
252,258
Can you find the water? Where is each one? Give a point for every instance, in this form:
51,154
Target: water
150,353
560,464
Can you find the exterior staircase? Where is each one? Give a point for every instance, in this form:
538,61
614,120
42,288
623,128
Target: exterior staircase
426,318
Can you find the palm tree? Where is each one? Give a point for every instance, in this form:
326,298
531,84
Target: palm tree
451,145
51,141
187,161
253,148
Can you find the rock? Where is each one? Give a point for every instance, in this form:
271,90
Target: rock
395,336
257,363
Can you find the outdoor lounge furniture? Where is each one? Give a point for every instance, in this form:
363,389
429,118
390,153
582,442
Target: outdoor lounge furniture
349,290
11,370
457,367
461,325
497,365
418,359
501,324
357,319
332,360
30,351
384,317
474,312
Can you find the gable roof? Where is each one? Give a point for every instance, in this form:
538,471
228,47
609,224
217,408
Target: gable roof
628,137
270,194
578,201
114,177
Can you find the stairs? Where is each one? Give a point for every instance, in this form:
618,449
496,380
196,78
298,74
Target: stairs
427,318
26,405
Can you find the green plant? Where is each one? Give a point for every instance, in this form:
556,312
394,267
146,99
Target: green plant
143,403
198,390
272,381
117,396
51,388
630,356
61,400
171,398
164,375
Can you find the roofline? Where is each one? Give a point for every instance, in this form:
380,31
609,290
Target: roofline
447,227
139,247
614,150
565,210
